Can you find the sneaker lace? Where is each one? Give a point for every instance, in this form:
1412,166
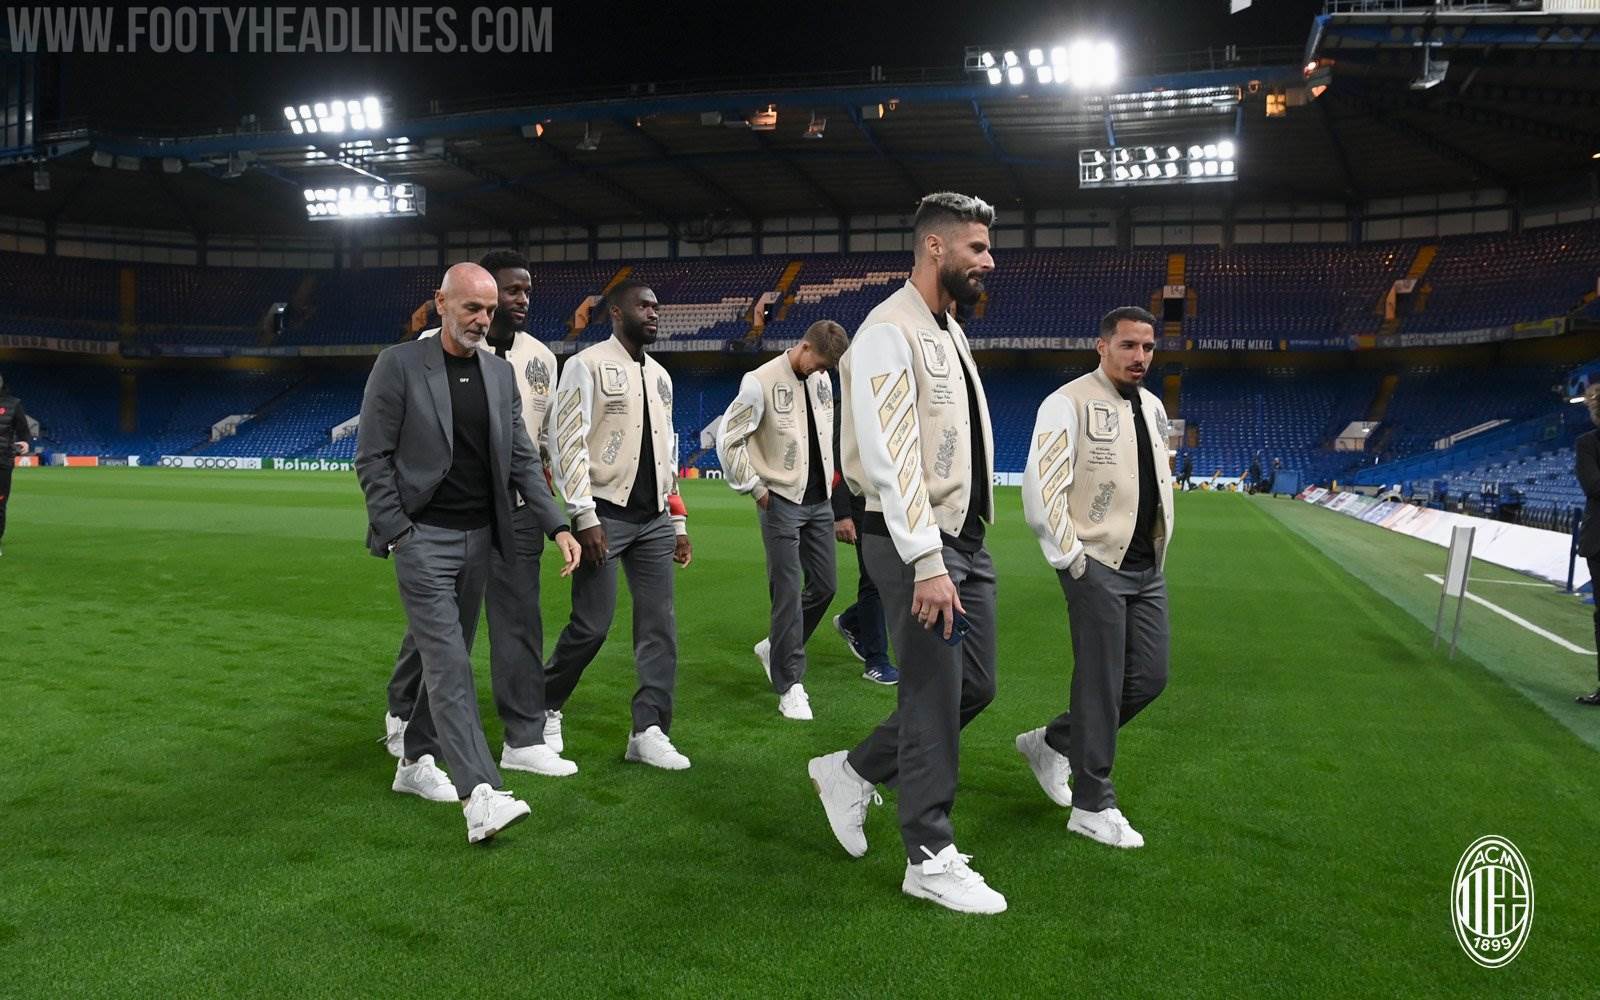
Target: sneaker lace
659,742
869,797
957,866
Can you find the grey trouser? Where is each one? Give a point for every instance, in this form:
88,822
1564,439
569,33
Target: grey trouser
799,540
645,553
516,641
942,688
1119,665
441,573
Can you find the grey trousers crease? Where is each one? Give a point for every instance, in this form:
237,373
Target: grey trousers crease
942,688
1120,641
516,641
644,551
801,579
441,573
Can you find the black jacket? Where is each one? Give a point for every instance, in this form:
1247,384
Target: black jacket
1587,451
13,427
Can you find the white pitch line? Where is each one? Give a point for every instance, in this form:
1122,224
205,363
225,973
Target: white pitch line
1513,583
1530,626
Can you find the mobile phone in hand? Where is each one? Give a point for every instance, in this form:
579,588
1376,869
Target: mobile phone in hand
957,633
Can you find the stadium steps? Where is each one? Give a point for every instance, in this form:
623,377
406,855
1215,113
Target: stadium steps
1172,393
786,283
1379,406
260,411
574,331
1419,267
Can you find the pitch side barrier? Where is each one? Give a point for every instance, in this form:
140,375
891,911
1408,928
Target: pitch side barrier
1547,555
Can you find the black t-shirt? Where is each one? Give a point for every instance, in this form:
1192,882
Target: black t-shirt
464,500
1141,554
972,530
816,489
644,499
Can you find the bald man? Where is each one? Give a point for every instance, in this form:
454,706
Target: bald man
441,450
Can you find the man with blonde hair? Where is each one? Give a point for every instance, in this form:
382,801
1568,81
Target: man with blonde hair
776,445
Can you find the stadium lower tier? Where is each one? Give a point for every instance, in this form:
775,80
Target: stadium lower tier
1231,420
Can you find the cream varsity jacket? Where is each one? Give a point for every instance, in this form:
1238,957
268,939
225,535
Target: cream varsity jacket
906,438
535,366
599,427
1080,492
763,439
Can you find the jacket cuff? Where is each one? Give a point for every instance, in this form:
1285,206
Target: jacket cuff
759,491
931,565
586,519
559,530
680,525
1067,558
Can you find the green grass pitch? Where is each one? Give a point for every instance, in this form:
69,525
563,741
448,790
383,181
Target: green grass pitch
195,804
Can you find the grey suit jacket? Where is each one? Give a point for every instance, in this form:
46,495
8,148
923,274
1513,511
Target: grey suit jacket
404,444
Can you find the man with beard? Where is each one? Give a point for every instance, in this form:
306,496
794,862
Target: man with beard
1098,493
616,460
440,449
916,443
516,628
776,444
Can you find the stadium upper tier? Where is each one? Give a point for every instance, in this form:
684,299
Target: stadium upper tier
1314,291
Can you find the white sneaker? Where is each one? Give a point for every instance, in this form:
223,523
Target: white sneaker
394,735
489,811
845,797
763,651
552,731
424,779
652,747
1051,768
946,879
795,704
1108,826
537,759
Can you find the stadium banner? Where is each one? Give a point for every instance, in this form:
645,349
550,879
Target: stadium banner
210,462
27,461
77,461
1534,551
62,344
310,464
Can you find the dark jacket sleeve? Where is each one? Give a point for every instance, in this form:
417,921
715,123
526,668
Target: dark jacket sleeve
527,472
19,431
377,437
841,492
1588,456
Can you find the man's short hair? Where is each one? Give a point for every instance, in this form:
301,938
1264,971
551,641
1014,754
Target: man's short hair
944,208
1108,322
828,338
496,261
624,289
1591,396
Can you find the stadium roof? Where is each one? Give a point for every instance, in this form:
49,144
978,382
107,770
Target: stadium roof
1518,108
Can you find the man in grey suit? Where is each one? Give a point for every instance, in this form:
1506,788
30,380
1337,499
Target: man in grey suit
441,447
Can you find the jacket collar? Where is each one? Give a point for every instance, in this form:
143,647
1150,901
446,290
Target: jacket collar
921,306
